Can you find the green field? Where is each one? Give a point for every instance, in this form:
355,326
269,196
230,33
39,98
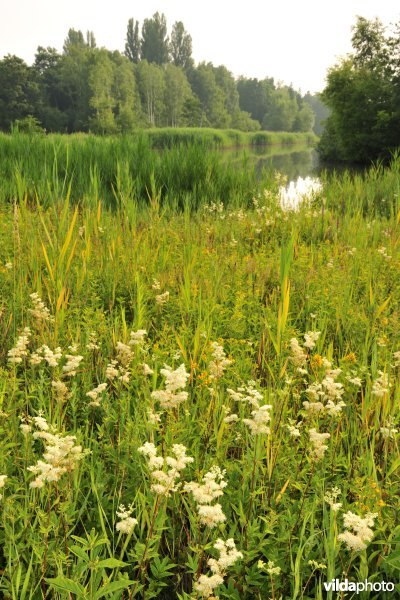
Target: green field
226,370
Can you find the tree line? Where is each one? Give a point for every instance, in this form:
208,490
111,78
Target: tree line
154,83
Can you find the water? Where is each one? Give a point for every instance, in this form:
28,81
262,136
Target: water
293,163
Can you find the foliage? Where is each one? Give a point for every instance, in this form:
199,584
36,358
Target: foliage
362,93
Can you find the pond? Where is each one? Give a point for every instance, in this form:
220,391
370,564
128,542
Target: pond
301,161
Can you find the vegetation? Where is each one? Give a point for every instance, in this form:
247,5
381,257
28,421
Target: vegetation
154,84
229,372
362,94
189,164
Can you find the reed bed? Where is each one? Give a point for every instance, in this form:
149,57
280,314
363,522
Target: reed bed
198,401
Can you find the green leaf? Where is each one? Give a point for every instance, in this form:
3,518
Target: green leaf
115,586
111,563
67,585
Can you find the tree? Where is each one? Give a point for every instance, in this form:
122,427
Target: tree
102,101
151,87
177,91
181,46
125,93
47,66
74,81
362,93
154,45
132,45
19,91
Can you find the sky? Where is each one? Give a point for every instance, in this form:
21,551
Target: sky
293,41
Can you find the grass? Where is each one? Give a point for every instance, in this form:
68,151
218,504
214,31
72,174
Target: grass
246,277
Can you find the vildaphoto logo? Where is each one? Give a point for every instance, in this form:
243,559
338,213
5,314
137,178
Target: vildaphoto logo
358,586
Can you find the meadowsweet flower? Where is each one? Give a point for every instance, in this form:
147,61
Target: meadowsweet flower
137,337
72,364
174,381
20,351
147,370
93,342
317,441
316,565
294,428
331,496
396,356
154,417
228,555
299,357
261,417
156,285
162,298
2,483
310,339
231,418
272,569
112,371
61,454
165,472
211,515
25,426
127,522
8,265
219,363
39,311
45,354
95,394
358,532
61,391
380,386
205,493
389,431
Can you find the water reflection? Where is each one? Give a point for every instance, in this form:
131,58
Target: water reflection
294,163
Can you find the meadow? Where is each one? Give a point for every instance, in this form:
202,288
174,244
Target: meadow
199,390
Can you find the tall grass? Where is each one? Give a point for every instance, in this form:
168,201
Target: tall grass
248,279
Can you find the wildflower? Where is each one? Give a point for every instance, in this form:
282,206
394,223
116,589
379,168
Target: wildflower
219,363
61,391
40,310
396,356
389,431
8,265
317,441
127,523
95,393
316,565
124,354
165,472
211,515
272,569
310,339
381,385
112,371
154,417
358,532
258,424
156,285
93,342
25,426
20,351
137,337
162,298
147,370
299,357
61,454
331,496
228,555
232,418
204,493
73,361
2,483
175,380
293,428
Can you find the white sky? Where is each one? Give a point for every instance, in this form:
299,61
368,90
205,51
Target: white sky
294,41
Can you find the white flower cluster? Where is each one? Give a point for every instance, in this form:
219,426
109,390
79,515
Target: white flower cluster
162,298
124,354
381,385
228,555
204,494
20,350
61,455
299,357
389,431
127,522
72,364
61,391
311,339
358,532
331,497
258,424
175,380
137,337
328,391
2,483
219,363
52,357
95,394
116,371
317,440
165,472
40,311
93,342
